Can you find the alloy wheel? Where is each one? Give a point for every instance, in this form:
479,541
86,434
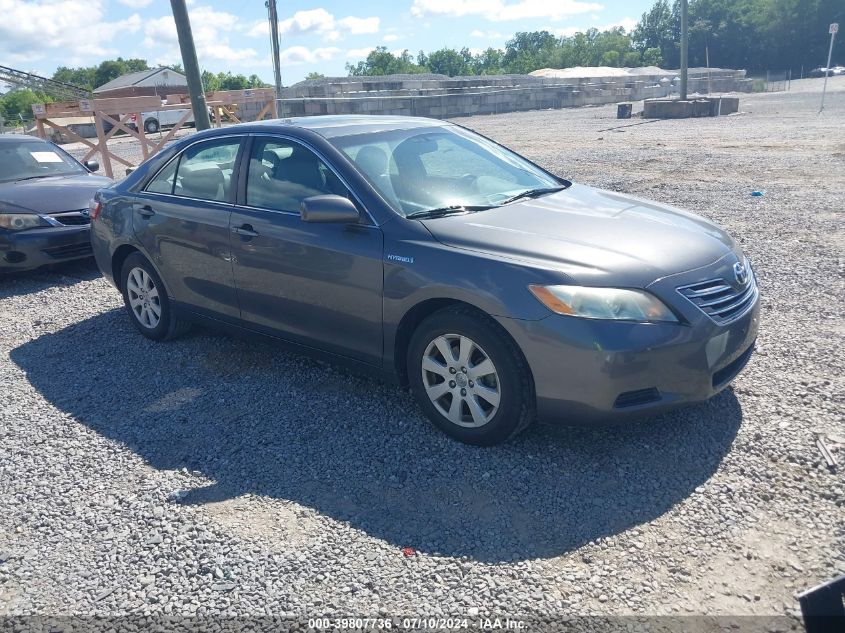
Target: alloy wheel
461,380
143,296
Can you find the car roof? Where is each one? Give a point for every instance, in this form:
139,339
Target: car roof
332,126
20,137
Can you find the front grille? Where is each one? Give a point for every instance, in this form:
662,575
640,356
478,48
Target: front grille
69,250
634,398
72,218
721,301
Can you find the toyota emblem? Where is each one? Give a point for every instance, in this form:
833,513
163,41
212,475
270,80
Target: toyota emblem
741,273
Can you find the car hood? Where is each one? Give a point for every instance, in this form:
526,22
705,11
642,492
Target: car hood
52,194
594,236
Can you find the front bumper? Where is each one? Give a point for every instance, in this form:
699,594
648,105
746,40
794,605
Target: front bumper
33,248
614,371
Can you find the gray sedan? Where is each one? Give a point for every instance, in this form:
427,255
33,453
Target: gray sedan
433,256
44,198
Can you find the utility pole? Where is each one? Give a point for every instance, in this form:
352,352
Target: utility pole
192,67
273,16
684,47
833,30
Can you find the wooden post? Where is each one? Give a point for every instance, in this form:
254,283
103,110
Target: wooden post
143,134
104,149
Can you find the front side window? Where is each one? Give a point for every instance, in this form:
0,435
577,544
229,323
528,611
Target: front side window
30,159
283,173
429,168
203,171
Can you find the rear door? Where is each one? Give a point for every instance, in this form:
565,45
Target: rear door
182,220
316,284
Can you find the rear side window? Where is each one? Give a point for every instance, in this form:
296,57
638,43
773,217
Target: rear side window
203,171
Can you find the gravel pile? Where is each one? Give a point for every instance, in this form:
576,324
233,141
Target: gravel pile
216,476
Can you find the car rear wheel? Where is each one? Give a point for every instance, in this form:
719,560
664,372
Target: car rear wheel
146,301
151,125
469,378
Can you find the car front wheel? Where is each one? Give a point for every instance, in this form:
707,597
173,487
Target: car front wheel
469,378
146,301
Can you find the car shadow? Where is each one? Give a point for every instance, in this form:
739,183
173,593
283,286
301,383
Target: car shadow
66,274
257,419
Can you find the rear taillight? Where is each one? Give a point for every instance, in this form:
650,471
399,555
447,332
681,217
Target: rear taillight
94,208
134,117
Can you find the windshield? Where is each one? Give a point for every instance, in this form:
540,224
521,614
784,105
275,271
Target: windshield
444,168
27,159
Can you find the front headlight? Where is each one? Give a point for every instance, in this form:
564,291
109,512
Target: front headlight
603,303
21,221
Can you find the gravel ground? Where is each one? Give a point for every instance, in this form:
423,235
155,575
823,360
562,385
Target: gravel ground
213,476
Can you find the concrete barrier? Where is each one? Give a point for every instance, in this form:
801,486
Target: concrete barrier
438,96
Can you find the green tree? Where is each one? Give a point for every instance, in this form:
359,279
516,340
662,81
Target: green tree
489,62
656,30
17,104
382,62
448,61
528,51
82,77
228,81
114,68
315,75
652,57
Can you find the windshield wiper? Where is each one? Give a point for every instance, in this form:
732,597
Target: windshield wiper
453,209
34,177
532,193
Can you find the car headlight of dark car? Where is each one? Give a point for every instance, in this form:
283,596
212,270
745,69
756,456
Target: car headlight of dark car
22,221
622,304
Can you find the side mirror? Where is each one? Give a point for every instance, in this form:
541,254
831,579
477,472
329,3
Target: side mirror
92,165
325,209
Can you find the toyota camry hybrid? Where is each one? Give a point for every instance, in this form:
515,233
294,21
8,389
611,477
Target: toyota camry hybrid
498,292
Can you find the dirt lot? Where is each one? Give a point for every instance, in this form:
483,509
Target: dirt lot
217,476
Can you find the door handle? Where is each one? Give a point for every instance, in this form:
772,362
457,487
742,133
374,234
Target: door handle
146,211
245,230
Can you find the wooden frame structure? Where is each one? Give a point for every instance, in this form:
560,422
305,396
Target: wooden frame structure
118,111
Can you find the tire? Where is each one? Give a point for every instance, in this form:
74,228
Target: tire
151,125
146,301
476,408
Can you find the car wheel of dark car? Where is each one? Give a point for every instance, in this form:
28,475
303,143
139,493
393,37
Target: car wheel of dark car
146,301
469,378
151,125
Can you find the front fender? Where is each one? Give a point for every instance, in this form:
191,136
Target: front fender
418,269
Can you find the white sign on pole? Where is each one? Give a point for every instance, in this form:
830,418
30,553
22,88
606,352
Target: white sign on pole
834,28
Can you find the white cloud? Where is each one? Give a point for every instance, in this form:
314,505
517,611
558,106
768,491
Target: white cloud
30,31
627,23
210,29
359,53
391,37
319,22
136,4
490,35
500,10
359,26
302,55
